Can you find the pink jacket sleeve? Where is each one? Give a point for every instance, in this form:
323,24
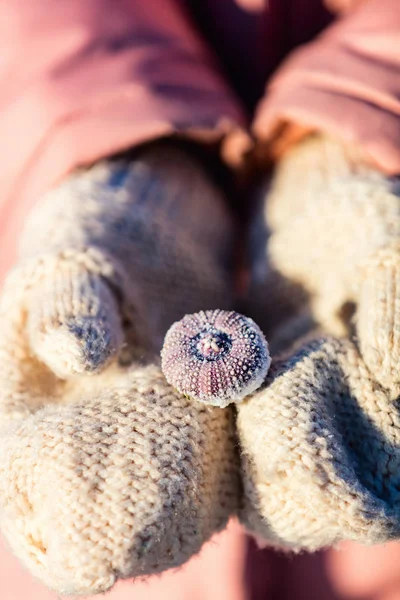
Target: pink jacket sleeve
346,82
81,79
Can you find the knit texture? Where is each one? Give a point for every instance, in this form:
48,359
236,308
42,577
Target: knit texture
321,451
378,317
126,478
320,443
278,305
324,218
106,472
158,223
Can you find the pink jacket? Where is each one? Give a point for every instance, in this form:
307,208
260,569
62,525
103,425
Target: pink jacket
82,79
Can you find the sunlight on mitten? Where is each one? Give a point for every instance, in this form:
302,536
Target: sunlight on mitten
324,212
106,472
127,479
378,317
321,451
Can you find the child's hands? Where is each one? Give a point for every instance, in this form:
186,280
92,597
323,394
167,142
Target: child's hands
157,232
121,477
334,226
321,445
322,439
105,471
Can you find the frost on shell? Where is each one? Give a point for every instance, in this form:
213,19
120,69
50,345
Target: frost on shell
215,356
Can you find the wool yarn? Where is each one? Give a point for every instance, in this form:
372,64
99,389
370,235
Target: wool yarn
320,442
106,472
321,451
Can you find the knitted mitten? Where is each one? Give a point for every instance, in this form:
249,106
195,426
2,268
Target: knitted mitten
332,244
321,441
106,472
321,451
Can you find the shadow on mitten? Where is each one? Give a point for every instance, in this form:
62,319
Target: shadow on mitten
126,479
321,451
280,306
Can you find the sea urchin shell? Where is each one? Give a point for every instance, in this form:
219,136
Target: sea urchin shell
215,356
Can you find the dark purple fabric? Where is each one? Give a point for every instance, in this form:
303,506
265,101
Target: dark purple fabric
251,45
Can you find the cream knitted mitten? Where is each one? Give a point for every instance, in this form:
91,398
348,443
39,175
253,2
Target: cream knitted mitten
321,441
321,451
333,225
105,471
